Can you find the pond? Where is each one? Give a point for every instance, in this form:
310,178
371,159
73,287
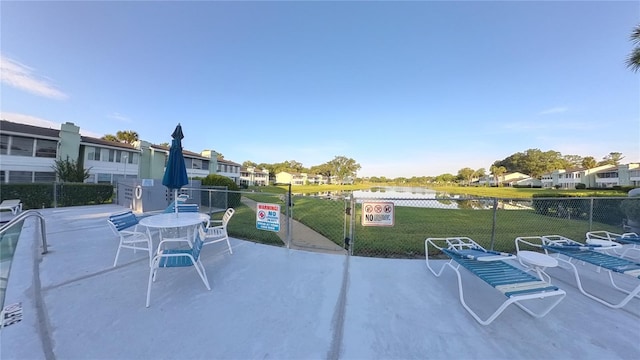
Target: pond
408,196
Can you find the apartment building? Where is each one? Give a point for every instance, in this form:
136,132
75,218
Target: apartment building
229,169
284,177
604,176
252,176
509,179
28,154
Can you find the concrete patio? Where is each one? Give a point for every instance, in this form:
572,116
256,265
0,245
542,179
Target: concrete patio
269,302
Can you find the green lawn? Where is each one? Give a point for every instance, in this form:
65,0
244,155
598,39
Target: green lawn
413,225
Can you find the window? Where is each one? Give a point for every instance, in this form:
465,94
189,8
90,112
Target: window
104,154
124,157
3,176
104,178
4,144
42,176
188,162
134,158
197,164
93,153
118,178
21,146
112,155
46,148
20,176
91,179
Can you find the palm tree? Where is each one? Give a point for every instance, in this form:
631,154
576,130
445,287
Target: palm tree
110,137
497,172
633,61
127,136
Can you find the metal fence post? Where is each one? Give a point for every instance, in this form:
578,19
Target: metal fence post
590,214
351,222
493,225
289,217
55,195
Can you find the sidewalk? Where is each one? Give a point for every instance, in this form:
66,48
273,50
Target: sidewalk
302,237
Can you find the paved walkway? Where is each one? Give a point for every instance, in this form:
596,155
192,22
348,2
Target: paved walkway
303,237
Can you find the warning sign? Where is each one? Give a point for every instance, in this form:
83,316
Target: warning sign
377,214
268,217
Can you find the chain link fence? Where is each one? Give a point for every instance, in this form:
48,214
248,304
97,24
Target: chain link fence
331,222
493,223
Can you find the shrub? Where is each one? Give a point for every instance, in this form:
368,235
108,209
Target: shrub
581,186
70,171
631,208
233,198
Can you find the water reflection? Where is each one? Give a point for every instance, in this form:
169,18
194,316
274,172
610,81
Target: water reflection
408,196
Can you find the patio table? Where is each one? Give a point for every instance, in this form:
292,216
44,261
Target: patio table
176,221
538,262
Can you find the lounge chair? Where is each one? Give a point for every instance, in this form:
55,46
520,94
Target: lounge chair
14,205
490,266
165,258
631,239
568,251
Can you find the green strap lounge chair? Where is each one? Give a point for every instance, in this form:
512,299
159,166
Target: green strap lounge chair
516,284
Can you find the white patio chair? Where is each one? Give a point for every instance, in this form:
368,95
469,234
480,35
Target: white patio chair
125,225
218,233
165,258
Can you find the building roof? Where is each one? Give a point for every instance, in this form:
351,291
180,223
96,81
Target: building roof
17,128
186,153
228,162
102,142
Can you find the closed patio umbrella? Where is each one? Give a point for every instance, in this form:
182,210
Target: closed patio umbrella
175,174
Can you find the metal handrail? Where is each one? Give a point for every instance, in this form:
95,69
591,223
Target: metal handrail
23,215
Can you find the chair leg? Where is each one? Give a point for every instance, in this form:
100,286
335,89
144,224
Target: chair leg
203,274
229,245
150,248
117,254
151,278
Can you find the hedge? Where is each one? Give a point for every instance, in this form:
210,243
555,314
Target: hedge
41,195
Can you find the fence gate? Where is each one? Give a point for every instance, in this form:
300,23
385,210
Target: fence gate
329,213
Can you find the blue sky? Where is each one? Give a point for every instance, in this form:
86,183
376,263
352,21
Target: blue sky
416,88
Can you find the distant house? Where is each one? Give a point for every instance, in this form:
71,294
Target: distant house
509,179
604,176
284,177
252,176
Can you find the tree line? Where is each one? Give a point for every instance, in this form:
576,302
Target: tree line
342,167
532,162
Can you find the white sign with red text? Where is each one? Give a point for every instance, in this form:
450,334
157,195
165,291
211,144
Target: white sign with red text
268,217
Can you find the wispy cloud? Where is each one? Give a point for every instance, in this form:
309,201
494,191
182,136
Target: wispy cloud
24,78
119,117
554,110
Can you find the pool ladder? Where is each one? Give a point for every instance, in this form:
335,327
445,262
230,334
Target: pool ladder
22,216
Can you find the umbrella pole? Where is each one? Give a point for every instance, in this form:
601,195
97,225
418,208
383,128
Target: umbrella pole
175,200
